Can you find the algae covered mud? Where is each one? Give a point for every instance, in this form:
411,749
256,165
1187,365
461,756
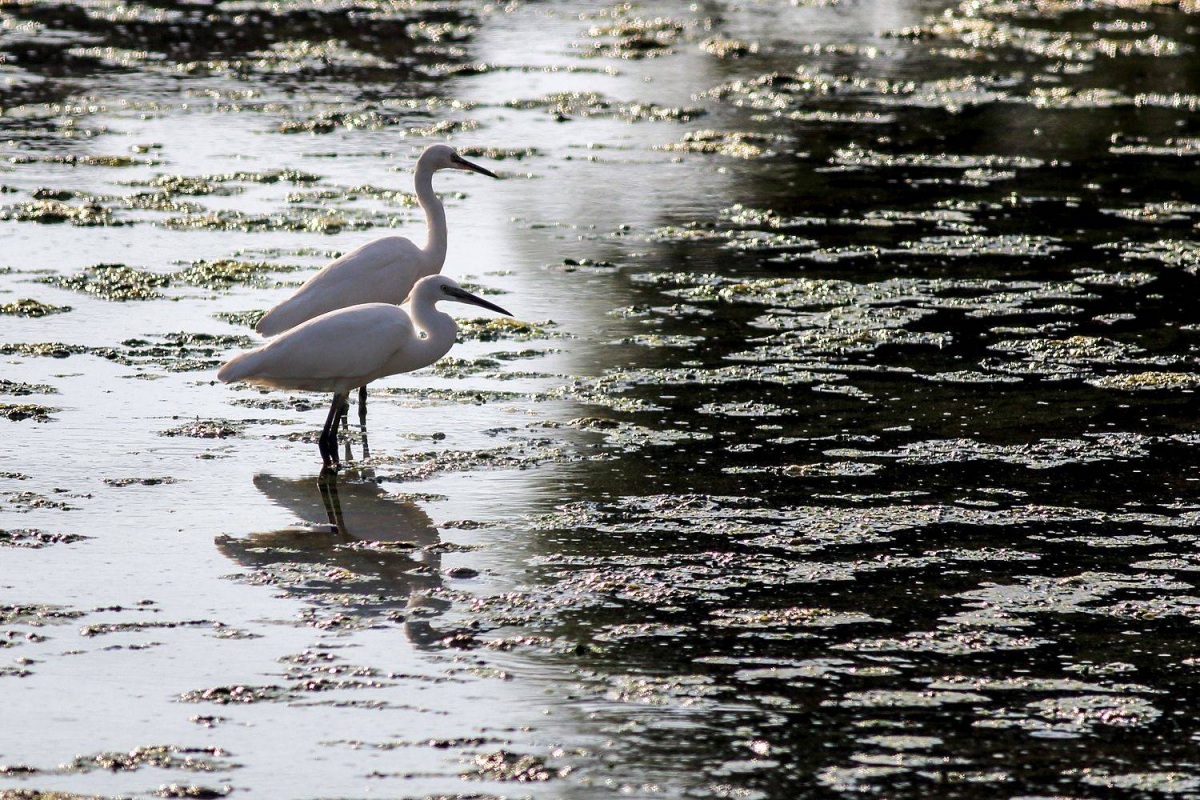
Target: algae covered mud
844,443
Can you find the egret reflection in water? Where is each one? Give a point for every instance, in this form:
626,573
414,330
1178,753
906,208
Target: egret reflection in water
358,552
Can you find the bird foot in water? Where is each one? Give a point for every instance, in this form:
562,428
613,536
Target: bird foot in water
329,456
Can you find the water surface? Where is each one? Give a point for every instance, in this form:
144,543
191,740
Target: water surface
845,445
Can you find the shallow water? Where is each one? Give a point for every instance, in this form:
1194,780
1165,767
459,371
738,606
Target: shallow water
846,445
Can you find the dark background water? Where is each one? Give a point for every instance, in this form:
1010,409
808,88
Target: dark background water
870,464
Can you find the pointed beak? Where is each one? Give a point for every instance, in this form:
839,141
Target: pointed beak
463,296
462,163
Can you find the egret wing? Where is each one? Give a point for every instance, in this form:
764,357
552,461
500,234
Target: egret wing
333,352
380,271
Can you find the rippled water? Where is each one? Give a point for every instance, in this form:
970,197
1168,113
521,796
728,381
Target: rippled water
844,444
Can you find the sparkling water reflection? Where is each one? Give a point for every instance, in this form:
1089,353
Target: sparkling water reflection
845,445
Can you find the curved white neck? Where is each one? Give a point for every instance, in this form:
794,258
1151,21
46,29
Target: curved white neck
439,330
435,216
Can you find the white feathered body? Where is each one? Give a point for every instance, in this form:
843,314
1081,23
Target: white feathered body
343,349
381,271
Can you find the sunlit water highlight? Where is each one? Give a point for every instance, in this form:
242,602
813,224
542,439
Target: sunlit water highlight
846,447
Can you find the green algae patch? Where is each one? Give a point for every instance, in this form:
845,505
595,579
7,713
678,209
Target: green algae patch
1170,783
27,307
618,34
1181,253
157,481
328,121
105,628
239,694
114,282
566,105
783,618
164,188
492,329
245,319
734,144
158,201
17,388
306,678
995,28
17,412
121,282
499,153
38,794
172,352
84,160
1148,381
505,766
293,176
190,792
190,186
316,220
451,367
51,212
22,502
176,352
724,48
520,454
207,429
227,272
899,698
393,197
33,538
189,759
1071,351
436,396
1073,716
36,615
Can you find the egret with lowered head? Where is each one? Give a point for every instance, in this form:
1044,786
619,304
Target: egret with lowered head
382,271
350,347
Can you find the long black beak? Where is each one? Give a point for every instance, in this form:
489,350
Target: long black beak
463,296
462,163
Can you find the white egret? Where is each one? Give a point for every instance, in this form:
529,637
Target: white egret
382,271
350,347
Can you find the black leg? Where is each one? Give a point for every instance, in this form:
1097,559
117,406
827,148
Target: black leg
362,407
327,443
327,485
346,413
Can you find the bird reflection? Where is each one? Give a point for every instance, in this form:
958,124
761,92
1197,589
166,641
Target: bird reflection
364,474
360,552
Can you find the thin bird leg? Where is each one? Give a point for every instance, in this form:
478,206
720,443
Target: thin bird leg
346,413
327,443
362,408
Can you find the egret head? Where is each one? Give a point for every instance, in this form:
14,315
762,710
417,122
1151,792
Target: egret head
443,156
435,288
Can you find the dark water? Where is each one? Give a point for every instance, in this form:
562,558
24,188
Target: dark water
852,452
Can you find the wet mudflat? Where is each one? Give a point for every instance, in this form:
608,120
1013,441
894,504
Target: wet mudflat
844,442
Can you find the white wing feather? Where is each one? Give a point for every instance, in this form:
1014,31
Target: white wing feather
381,271
336,351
